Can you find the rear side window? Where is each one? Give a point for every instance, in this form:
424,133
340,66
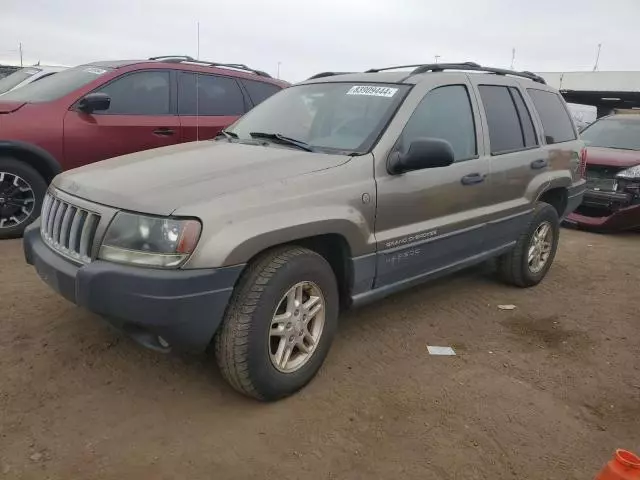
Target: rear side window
209,95
140,93
259,91
445,113
556,122
526,123
510,125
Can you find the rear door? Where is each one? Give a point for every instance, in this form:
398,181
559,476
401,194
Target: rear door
429,220
141,116
207,104
512,144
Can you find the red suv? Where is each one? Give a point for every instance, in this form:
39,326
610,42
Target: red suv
105,109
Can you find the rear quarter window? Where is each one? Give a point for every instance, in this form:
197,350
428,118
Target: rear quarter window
556,122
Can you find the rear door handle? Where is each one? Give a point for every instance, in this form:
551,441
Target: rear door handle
472,179
164,131
540,163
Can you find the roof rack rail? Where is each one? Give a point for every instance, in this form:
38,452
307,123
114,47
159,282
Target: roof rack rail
470,66
187,58
173,58
327,74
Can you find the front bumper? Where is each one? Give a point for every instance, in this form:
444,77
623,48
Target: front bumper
184,307
607,211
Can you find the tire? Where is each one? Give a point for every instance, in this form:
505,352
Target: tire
13,220
514,267
245,343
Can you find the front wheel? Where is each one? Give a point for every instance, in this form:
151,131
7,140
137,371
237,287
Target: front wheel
528,263
279,324
22,190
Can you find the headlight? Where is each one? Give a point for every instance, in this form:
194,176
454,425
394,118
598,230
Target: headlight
150,241
632,173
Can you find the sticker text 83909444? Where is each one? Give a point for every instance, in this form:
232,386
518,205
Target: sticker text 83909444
372,90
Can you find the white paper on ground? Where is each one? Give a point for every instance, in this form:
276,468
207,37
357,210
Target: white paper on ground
440,350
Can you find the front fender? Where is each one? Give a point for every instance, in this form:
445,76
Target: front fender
239,242
36,156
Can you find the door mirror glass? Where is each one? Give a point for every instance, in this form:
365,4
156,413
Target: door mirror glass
423,153
94,102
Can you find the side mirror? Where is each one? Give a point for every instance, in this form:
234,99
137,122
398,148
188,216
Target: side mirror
423,153
94,102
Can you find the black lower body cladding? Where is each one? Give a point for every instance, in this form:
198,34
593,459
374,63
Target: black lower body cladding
182,307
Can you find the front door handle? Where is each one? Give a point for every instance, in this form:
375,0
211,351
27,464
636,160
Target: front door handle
164,131
472,179
539,163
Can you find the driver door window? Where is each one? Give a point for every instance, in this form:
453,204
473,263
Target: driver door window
142,93
444,113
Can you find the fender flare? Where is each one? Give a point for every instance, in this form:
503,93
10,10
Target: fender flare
46,165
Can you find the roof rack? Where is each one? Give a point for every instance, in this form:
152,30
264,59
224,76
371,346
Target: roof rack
188,59
327,74
469,66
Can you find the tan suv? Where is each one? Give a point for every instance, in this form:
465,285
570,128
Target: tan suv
337,191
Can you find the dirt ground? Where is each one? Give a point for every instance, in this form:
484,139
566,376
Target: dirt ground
546,391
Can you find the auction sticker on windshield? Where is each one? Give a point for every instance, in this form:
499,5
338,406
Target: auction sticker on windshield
373,91
95,71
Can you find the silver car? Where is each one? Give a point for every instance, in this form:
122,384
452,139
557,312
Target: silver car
27,75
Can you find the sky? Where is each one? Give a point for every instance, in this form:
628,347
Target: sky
302,37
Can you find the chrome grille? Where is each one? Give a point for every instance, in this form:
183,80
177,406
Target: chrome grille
68,229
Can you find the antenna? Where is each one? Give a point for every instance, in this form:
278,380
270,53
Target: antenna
198,90
595,67
513,57
20,46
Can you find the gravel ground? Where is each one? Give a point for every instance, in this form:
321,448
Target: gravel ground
546,391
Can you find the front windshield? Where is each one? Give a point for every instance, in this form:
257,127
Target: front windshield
17,77
615,132
56,86
329,117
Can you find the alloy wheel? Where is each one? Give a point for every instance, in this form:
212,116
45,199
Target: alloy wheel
296,327
17,200
540,247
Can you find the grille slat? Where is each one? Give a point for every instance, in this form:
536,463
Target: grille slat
68,229
86,237
57,222
52,216
66,222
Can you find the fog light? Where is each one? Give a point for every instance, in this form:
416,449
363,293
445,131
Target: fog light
163,343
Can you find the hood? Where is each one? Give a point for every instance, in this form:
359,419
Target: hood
612,157
160,181
9,107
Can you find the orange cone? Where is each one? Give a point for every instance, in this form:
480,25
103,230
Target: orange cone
624,466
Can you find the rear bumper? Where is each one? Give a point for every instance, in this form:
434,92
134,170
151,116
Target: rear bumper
618,211
184,307
574,197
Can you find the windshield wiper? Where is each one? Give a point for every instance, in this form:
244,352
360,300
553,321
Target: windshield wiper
228,135
283,139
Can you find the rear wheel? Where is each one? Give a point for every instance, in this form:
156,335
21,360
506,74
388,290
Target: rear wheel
528,263
279,324
22,190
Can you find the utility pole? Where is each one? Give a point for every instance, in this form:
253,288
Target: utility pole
513,57
278,74
20,53
595,67
437,57
198,51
